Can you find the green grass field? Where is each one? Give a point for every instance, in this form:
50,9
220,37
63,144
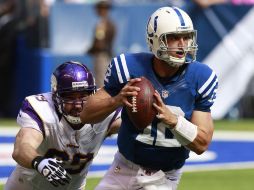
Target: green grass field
212,180
241,179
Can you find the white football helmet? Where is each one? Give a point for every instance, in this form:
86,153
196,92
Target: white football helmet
167,21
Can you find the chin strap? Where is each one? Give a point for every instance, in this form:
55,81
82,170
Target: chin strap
172,61
73,120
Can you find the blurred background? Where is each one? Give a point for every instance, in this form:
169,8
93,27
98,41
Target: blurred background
37,35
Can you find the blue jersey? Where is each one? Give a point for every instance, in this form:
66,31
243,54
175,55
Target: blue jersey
193,87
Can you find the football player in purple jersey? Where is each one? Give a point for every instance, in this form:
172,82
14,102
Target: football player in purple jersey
53,148
152,159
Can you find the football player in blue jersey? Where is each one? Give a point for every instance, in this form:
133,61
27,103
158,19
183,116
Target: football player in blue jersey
152,159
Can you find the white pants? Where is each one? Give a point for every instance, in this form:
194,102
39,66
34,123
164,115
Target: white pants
123,175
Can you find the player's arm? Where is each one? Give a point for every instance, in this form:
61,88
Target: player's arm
98,107
205,128
101,104
27,141
195,134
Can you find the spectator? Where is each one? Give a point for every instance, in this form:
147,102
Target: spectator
104,34
207,3
37,31
8,32
240,2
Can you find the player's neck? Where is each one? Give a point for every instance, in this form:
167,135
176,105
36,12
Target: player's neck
162,69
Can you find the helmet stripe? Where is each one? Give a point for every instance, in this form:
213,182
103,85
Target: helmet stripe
179,16
155,23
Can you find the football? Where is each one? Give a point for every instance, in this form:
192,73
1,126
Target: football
142,111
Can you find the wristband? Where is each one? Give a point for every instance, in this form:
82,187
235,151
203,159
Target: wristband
36,161
184,131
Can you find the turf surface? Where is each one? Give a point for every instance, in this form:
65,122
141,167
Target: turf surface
210,180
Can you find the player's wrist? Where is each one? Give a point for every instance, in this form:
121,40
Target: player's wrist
173,121
115,101
36,161
52,170
184,131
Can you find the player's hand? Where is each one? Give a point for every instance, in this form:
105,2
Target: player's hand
127,90
164,113
52,170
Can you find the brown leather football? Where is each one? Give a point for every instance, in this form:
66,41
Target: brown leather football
142,111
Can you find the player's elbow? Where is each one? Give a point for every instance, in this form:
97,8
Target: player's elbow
15,154
201,148
199,151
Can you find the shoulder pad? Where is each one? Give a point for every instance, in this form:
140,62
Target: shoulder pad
43,108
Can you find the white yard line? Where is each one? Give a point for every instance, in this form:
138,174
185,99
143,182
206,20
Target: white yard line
9,131
222,166
234,135
218,135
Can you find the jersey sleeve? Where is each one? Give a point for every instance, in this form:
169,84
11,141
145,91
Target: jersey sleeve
117,75
116,115
207,85
28,118
107,122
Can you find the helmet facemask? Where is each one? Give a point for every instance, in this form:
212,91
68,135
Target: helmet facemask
71,107
187,54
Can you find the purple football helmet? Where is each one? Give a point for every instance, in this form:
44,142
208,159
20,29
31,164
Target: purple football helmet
71,77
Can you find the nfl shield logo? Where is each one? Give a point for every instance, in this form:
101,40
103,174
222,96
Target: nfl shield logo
164,93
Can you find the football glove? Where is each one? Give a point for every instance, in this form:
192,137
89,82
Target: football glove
52,170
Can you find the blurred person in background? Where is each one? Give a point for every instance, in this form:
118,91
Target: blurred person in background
53,148
37,24
102,45
207,3
8,35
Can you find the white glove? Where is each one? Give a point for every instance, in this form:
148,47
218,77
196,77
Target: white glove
52,170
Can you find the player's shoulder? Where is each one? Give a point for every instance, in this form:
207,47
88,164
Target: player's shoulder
135,64
132,59
45,98
199,68
137,56
201,76
40,100
199,71
42,106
